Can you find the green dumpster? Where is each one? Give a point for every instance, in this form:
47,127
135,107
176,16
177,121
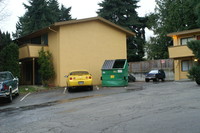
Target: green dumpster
115,73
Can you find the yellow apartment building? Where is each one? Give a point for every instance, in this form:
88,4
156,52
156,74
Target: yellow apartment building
182,55
75,44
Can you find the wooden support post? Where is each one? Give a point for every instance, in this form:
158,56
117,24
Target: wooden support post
33,71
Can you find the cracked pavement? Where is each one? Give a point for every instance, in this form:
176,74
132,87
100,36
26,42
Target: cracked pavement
167,107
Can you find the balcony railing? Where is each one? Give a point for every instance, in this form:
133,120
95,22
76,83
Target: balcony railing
179,51
30,50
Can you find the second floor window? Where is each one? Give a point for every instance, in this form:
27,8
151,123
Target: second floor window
184,41
186,65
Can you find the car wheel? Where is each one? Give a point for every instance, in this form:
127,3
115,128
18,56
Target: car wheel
91,88
147,80
10,96
17,94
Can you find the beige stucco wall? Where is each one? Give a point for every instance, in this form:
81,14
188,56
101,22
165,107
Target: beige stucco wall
177,39
53,40
30,51
23,52
179,53
176,69
86,46
179,74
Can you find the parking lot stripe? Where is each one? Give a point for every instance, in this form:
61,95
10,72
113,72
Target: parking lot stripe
25,96
64,90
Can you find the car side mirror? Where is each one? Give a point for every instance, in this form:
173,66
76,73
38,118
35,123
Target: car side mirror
16,78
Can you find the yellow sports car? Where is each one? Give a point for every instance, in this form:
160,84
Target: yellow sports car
79,78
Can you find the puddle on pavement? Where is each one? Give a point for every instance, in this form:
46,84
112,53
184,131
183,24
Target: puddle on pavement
134,89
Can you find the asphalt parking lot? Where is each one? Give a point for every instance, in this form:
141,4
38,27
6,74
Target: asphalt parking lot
61,93
167,107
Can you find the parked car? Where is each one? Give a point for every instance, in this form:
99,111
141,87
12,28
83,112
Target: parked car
131,77
8,85
155,75
79,79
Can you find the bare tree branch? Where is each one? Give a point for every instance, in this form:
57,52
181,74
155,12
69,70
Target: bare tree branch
3,14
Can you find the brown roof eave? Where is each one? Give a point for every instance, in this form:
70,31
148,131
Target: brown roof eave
183,32
36,33
58,24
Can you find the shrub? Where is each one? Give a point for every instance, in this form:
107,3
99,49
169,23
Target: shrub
194,74
46,69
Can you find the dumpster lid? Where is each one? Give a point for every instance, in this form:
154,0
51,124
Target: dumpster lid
108,64
111,64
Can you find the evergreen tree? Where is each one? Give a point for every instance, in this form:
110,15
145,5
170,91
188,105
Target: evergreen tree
10,59
58,14
124,13
54,10
40,14
4,39
64,13
197,12
170,16
22,26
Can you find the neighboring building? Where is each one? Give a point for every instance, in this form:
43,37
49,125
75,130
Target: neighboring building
75,44
182,55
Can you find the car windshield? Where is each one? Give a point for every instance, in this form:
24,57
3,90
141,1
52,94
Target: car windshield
79,73
153,71
3,76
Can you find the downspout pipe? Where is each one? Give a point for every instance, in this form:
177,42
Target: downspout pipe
52,30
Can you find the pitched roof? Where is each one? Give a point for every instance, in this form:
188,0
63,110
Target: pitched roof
58,24
193,31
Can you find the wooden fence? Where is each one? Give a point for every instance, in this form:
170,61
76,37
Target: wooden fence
141,68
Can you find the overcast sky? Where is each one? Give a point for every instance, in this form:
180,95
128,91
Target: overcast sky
80,9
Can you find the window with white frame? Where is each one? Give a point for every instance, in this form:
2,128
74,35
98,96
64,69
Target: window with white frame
184,41
186,65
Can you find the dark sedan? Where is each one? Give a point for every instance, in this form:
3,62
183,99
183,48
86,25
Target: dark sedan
155,75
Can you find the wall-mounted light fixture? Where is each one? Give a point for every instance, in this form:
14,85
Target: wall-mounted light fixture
174,37
195,60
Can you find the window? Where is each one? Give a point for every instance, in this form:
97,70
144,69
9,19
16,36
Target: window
44,39
184,41
186,65
10,76
36,40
